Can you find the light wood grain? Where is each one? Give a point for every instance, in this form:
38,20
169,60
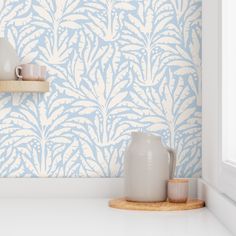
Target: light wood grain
178,181
121,203
24,86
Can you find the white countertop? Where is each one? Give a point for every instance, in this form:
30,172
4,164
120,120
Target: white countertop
89,217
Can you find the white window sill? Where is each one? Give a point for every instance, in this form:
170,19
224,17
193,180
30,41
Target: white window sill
79,207
91,217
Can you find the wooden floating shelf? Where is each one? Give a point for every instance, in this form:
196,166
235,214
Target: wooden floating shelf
15,86
121,203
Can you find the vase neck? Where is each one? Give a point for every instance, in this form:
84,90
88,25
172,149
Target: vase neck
145,137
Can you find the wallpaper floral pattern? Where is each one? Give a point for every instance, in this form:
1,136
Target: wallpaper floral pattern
115,66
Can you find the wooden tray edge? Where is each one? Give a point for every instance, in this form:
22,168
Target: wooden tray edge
121,203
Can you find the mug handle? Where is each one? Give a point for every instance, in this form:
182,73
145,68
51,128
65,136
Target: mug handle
18,68
172,155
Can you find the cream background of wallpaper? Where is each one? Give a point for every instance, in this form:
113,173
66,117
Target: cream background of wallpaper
114,67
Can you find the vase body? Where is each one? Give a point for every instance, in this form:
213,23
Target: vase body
148,166
8,60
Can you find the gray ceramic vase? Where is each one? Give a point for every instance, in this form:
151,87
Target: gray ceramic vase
8,60
148,166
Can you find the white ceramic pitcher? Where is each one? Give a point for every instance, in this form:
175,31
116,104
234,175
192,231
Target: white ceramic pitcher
148,166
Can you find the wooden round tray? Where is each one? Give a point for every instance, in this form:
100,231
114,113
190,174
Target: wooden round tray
121,203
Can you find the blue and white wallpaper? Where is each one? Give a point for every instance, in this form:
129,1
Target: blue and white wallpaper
115,66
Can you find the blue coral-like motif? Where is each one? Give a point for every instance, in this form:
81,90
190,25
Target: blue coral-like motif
115,66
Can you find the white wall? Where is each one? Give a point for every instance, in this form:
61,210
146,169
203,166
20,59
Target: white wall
210,87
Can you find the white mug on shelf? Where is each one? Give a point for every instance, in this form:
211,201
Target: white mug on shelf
31,72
